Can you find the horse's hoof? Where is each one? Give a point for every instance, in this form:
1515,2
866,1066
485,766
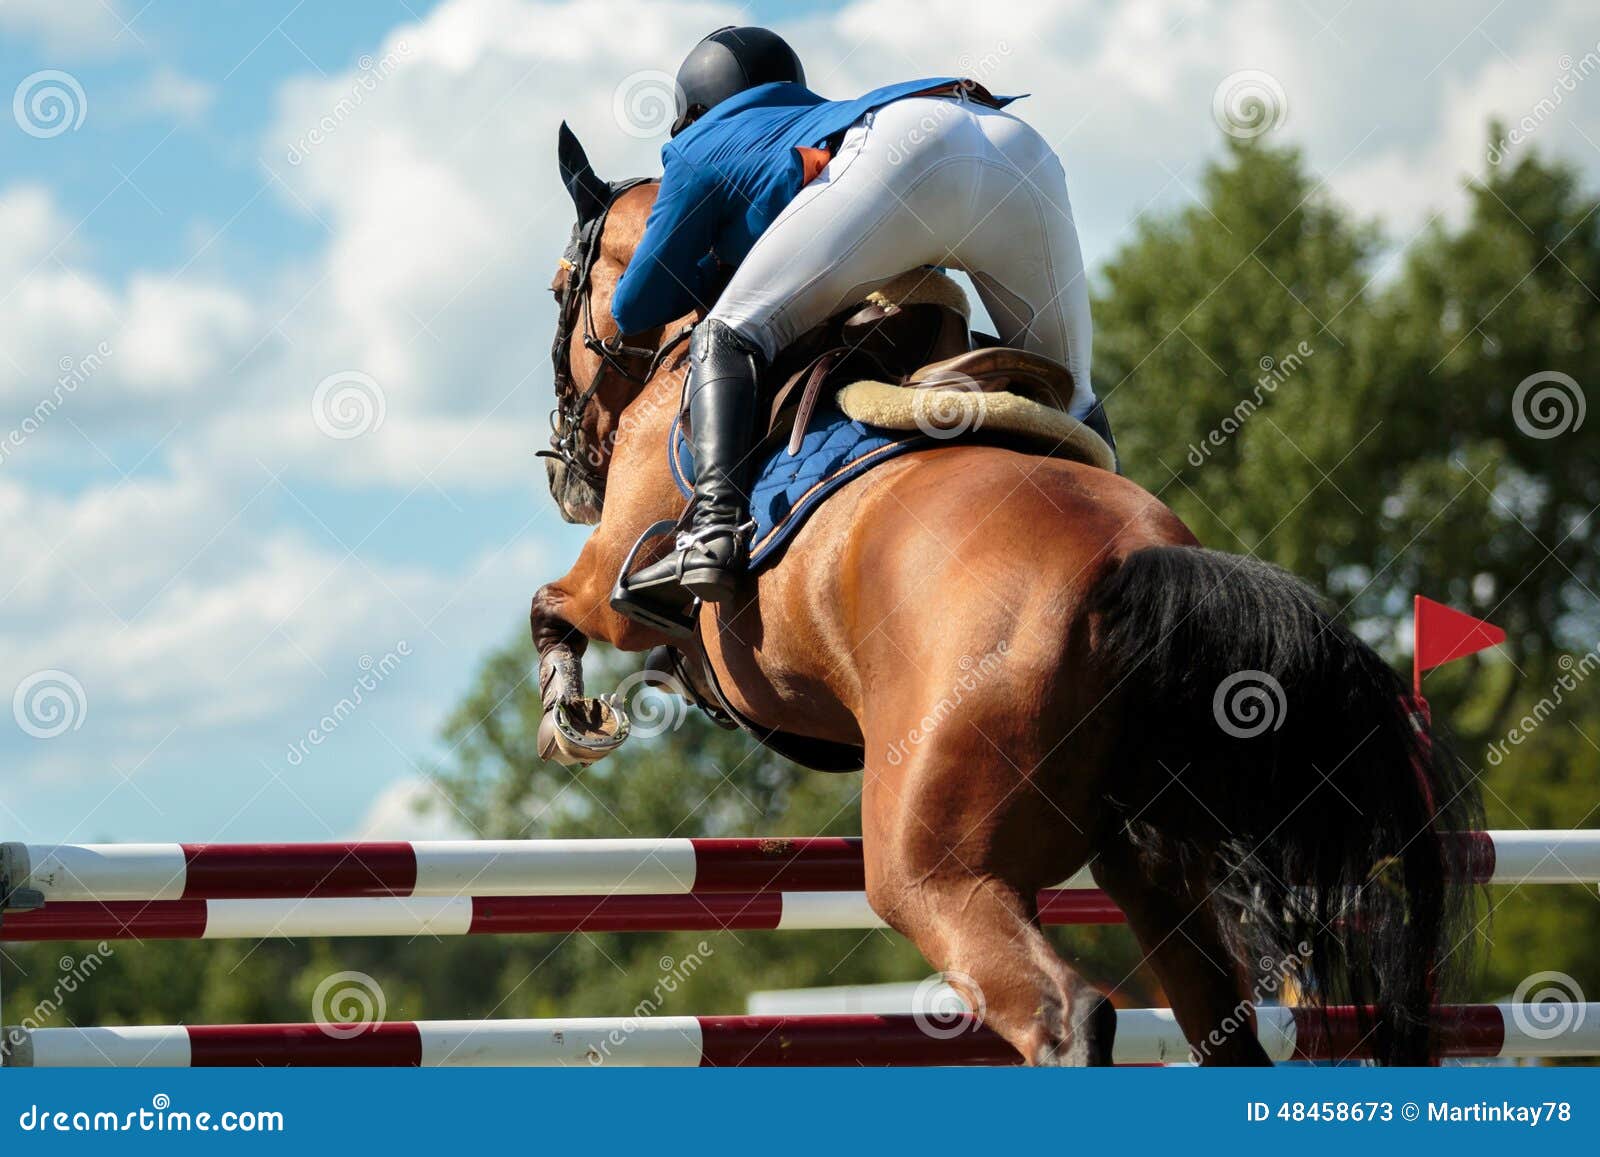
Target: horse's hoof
578,732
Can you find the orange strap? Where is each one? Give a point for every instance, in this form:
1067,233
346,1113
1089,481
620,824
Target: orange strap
813,162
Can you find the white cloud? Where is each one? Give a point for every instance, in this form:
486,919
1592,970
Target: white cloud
152,336
1390,101
412,809
176,335
169,93
201,627
433,165
149,592
80,27
430,162
29,221
1541,91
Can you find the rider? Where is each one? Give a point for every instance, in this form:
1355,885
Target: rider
818,202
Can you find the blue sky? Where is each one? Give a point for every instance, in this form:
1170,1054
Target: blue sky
204,570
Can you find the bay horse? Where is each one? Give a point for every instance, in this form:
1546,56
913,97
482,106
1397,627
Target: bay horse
1042,670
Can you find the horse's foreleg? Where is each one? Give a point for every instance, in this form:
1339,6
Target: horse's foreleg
573,729
564,616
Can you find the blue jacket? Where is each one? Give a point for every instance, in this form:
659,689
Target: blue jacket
724,180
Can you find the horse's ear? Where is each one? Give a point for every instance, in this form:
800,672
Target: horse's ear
589,193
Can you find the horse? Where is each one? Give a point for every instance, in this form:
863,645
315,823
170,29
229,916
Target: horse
1041,669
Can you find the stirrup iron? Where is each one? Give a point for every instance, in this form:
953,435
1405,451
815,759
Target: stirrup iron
676,620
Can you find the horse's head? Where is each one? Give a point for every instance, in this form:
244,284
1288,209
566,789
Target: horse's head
597,376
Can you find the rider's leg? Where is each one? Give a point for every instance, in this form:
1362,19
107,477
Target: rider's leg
722,389
832,245
1027,266
1023,254
1098,421
927,181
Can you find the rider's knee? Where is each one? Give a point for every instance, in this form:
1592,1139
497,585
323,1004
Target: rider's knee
713,339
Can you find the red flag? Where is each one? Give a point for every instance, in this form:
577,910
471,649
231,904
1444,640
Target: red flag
1442,633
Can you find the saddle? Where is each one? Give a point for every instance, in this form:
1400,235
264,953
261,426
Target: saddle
914,334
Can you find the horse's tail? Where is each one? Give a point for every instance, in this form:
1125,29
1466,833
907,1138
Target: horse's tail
1268,751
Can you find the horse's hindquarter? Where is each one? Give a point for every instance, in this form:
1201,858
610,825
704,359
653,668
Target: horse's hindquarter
927,579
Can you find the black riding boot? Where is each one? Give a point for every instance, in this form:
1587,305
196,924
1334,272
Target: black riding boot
709,553
1098,421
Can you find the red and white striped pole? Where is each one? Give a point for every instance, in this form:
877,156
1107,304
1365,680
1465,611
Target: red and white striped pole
1144,1036
483,915
513,868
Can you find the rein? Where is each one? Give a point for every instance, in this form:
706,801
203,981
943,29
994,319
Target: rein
567,441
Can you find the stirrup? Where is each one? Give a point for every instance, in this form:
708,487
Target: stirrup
673,619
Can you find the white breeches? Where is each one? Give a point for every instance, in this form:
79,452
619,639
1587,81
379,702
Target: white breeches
927,181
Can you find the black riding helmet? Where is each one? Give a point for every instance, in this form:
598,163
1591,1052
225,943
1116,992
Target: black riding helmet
726,63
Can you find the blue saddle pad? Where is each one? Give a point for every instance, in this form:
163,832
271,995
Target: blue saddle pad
787,489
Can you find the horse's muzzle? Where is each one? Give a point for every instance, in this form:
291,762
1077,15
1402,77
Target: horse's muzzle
575,497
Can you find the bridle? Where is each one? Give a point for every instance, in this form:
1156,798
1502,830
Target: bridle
567,441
